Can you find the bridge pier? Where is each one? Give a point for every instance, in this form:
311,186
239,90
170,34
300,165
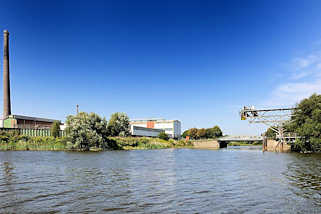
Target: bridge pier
209,144
276,146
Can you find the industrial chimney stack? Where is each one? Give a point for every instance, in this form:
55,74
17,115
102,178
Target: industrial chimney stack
6,76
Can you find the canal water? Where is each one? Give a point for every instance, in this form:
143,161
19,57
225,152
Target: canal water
232,180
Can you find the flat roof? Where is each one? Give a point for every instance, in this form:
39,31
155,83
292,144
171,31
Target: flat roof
153,119
21,117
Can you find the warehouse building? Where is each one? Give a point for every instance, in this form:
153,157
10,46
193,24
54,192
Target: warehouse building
25,122
171,127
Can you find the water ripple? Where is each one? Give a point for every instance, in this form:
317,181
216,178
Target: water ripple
232,180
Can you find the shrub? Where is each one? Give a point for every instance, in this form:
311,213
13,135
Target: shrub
163,136
118,125
55,128
87,130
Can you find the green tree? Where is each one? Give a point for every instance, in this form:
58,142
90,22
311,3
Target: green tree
87,130
306,122
185,134
163,136
193,133
201,133
217,132
55,128
214,132
118,124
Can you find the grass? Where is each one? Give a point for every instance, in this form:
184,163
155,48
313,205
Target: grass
131,143
12,141
23,143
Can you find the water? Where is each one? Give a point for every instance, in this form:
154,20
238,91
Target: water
232,180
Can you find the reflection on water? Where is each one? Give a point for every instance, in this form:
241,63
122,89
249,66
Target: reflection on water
232,180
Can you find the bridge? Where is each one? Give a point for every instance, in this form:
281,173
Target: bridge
223,141
240,138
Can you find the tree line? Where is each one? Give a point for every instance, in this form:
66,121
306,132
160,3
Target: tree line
306,123
209,133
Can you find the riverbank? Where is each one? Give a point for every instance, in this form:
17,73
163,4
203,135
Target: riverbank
24,143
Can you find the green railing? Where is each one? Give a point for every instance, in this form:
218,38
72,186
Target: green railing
33,132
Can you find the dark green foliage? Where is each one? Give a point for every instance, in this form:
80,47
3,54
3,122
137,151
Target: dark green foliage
201,133
163,136
306,122
214,132
55,128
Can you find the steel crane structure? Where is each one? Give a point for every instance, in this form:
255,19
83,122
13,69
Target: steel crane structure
273,118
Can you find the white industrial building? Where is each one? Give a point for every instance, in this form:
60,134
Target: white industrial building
144,132
171,127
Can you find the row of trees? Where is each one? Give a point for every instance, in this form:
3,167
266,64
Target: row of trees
90,130
203,133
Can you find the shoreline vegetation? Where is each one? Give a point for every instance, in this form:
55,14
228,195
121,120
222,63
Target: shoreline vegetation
90,132
26,143
11,141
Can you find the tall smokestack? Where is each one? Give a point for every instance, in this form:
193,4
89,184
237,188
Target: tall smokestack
6,77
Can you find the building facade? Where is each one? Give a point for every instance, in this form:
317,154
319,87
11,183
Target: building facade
25,122
171,127
140,131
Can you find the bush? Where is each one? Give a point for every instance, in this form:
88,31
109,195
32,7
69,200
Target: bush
55,128
87,130
163,136
118,125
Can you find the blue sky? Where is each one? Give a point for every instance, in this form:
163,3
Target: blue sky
196,61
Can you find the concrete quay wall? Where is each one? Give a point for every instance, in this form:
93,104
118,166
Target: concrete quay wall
275,146
208,144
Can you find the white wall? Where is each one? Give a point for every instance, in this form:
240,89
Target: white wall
171,127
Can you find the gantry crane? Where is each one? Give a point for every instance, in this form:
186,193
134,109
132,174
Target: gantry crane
273,118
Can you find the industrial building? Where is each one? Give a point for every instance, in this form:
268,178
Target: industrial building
16,121
171,127
138,131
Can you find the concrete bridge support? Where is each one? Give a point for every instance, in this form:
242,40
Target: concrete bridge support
209,144
276,146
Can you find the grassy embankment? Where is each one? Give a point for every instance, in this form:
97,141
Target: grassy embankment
11,141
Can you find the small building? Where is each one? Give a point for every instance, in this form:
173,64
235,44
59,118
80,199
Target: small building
171,127
26,122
